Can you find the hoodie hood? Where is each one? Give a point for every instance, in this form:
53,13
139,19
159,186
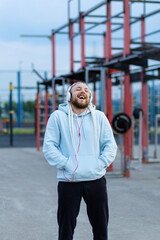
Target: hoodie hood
63,107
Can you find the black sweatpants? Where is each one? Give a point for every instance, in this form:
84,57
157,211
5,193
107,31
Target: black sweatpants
94,194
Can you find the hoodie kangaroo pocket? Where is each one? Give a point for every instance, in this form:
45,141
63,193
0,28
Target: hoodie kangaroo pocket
85,167
70,167
101,164
88,167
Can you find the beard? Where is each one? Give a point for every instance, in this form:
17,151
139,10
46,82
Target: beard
78,104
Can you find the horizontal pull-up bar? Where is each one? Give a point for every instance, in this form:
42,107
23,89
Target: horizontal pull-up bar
88,62
89,34
146,43
35,36
97,16
26,88
144,1
117,48
117,39
132,17
104,23
93,22
101,58
65,33
116,23
146,35
136,1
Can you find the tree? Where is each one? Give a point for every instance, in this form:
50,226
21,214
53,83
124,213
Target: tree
29,106
14,107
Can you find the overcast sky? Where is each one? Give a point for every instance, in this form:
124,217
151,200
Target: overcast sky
32,17
28,17
40,17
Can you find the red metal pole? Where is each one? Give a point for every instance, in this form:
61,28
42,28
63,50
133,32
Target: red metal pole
53,55
126,49
53,67
144,102
108,76
108,57
46,106
108,46
127,90
71,46
38,118
82,41
104,45
105,55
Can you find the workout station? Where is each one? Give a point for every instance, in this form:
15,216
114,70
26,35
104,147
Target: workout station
119,68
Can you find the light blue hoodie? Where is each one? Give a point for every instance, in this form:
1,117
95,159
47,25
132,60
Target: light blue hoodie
93,156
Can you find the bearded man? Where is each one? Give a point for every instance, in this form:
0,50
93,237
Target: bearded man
79,142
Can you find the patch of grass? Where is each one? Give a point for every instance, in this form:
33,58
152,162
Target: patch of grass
23,130
19,131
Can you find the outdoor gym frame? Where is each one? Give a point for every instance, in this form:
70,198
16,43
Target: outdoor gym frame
113,65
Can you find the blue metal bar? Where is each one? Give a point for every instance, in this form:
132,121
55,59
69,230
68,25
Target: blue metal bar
19,99
45,75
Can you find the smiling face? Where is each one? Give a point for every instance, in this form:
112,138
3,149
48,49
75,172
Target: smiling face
80,96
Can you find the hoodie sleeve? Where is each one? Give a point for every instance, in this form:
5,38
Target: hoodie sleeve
108,146
51,149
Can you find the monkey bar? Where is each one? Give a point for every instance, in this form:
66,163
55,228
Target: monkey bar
112,64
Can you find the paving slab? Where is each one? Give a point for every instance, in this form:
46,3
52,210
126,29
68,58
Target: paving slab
28,200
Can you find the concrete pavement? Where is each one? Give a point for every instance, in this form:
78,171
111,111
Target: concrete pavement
28,201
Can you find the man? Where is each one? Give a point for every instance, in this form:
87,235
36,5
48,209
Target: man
79,142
